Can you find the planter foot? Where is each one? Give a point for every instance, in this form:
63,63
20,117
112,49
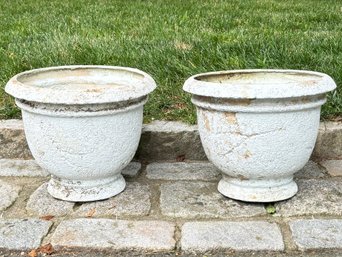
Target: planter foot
82,191
258,190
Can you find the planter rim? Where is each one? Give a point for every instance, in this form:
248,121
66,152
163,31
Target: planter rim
259,84
80,84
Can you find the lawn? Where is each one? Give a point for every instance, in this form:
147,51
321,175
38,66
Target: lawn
172,40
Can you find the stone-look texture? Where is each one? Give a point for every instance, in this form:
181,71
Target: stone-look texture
221,235
12,140
84,137
131,169
8,194
167,140
173,139
133,201
310,170
22,234
115,235
317,234
334,167
83,170
314,197
183,171
41,203
21,168
185,199
258,127
329,141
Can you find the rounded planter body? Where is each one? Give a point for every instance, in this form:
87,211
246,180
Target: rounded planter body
258,127
83,125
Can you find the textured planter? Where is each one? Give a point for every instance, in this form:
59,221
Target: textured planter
83,125
258,127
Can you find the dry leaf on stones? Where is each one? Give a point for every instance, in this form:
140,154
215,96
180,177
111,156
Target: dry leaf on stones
47,217
47,249
91,213
33,253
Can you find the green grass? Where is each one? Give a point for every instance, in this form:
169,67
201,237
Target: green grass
172,40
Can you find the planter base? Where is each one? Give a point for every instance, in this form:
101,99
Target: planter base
79,191
257,190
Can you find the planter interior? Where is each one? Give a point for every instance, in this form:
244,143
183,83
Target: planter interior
258,127
83,125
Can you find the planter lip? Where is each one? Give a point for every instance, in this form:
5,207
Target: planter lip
259,84
80,84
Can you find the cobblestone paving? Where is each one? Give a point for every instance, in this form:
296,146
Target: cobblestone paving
171,208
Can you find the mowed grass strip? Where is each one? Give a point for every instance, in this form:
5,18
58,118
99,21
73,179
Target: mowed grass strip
172,40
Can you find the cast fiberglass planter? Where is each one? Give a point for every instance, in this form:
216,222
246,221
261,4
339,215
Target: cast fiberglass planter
258,127
83,125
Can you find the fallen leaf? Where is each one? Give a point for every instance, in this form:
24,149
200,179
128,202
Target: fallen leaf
47,217
144,162
33,253
90,213
180,158
47,249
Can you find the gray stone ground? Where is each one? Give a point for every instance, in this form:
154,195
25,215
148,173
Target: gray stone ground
169,209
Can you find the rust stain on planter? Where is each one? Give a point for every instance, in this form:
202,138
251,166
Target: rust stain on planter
95,90
241,177
80,72
244,102
206,121
230,117
239,102
309,83
247,154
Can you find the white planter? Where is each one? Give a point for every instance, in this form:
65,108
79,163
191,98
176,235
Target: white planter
258,127
83,125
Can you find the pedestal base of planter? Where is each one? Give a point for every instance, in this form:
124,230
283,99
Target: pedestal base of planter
257,190
86,191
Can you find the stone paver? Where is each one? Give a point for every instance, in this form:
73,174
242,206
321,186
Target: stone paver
21,168
42,203
131,169
183,171
221,235
317,234
12,140
334,167
314,197
310,170
8,194
24,234
133,201
202,200
114,234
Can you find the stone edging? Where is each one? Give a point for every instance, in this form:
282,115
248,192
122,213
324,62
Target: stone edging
167,140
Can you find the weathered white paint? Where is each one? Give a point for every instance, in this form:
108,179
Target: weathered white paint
83,125
258,127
